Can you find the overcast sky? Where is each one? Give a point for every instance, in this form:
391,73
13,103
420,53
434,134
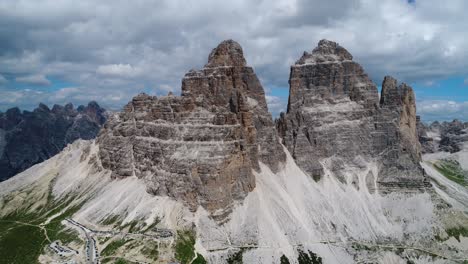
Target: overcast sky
109,50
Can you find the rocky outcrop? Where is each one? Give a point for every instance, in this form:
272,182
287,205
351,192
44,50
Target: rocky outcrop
448,136
226,83
401,155
27,138
331,103
201,147
334,120
434,126
427,142
453,135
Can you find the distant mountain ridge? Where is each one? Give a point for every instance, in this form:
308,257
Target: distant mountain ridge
442,136
30,137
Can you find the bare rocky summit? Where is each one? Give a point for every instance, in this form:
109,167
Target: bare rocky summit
334,119
200,147
401,154
331,102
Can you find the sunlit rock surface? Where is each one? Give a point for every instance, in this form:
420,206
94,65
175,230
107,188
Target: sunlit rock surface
335,120
201,147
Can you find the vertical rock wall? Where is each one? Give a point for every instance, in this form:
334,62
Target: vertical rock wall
334,115
200,147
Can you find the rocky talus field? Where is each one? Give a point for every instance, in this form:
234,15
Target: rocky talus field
208,176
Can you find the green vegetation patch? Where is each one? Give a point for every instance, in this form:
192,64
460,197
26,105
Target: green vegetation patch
152,225
103,240
185,246
284,260
134,225
456,232
21,243
358,246
199,260
308,258
236,258
57,231
452,170
113,246
111,220
22,235
68,236
150,250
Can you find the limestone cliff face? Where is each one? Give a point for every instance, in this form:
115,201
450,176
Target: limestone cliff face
401,157
202,146
330,109
401,101
334,120
227,84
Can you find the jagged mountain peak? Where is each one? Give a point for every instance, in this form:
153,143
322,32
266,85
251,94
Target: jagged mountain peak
42,107
215,134
227,53
27,138
393,94
332,99
326,51
141,96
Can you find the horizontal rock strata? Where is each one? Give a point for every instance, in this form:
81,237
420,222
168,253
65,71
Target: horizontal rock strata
202,146
334,114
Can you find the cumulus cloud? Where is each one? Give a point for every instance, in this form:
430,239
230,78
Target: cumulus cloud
118,48
118,70
37,79
433,110
276,104
65,93
465,81
10,97
28,99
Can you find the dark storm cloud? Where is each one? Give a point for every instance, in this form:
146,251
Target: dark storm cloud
111,50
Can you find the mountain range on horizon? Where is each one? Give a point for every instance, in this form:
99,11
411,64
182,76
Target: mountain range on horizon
95,116
28,138
345,175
